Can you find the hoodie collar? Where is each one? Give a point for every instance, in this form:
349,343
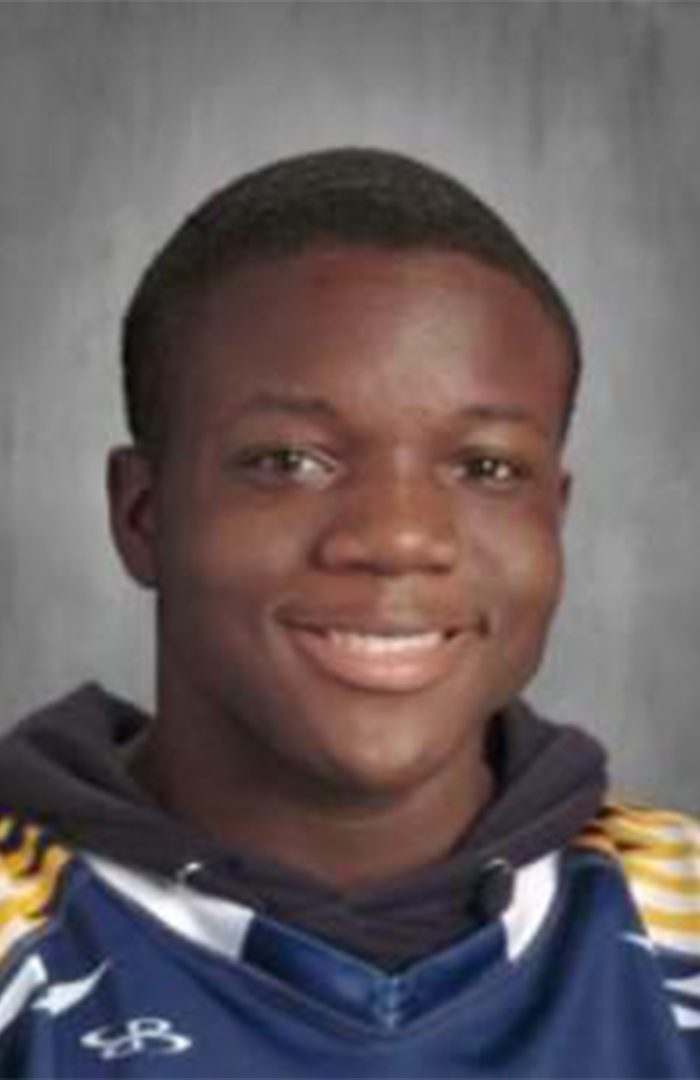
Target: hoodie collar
67,767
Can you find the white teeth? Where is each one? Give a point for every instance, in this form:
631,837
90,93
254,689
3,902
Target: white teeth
382,644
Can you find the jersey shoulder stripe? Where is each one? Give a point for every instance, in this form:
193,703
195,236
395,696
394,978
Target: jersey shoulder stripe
31,870
659,852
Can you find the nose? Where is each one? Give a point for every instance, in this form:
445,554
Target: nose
391,527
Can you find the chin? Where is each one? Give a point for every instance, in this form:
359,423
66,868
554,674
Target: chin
385,768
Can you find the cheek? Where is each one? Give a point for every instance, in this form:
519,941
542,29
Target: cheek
527,568
540,576
537,568
222,576
522,599
237,555
215,592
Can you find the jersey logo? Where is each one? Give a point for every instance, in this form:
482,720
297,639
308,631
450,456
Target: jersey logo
60,997
142,1035
54,998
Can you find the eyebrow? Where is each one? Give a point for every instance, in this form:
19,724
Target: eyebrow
298,405
266,401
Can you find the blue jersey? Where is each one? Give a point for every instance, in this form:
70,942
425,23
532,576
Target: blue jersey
593,970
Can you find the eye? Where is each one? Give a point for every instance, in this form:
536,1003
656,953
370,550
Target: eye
495,471
280,464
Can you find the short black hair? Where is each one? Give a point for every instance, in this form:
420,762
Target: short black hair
347,196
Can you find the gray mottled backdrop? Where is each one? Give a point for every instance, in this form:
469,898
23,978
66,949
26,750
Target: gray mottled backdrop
580,121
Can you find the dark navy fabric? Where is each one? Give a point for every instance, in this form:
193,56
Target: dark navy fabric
586,998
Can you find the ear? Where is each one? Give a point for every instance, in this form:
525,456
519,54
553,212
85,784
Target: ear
131,493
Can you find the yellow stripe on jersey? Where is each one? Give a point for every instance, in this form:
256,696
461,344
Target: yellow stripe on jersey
30,874
684,922
641,869
19,860
659,852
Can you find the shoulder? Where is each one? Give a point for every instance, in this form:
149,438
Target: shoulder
32,866
658,852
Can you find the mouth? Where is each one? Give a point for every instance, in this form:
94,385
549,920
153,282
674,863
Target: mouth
389,662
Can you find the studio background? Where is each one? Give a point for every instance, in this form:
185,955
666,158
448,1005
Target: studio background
579,121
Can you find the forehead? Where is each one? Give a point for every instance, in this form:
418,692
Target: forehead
374,332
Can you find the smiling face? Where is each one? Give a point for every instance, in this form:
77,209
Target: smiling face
354,531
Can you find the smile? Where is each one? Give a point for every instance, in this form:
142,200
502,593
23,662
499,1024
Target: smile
388,662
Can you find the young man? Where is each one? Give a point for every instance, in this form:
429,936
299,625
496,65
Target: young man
343,846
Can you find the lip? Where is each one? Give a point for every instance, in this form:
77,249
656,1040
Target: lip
387,659
386,623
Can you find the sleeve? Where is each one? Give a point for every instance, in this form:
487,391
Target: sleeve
659,851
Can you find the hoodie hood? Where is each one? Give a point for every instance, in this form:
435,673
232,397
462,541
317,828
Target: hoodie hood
67,767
